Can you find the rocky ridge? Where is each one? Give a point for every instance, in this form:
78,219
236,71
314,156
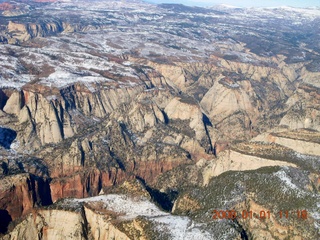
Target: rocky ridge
84,111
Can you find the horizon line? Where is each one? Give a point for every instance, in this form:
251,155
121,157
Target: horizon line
207,4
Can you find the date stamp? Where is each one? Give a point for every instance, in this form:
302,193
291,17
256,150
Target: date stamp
262,214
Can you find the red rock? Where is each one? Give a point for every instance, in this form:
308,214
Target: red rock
85,184
20,193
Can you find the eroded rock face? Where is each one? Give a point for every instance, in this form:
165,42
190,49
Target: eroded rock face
101,228
92,141
235,161
50,121
54,224
85,184
100,218
181,109
303,108
303,141
22,192
94,161
224,99
113,99
303,147
158,129
22,32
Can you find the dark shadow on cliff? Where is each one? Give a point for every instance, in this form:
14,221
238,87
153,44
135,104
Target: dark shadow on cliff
241,230
40,189
163,200
5,219
207,122
44,192
7,136
5,169
3,99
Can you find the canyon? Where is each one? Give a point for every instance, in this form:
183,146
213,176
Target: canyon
175,111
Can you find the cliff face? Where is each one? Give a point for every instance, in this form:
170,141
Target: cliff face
303,108
50,121
222,117
54,224
21,32
21,193
235,161
101,227
85,184
62,224
80,136
80,133
233,94
103,217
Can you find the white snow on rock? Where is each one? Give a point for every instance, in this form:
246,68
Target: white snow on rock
131,207
284,177
94,55
316,215
178,227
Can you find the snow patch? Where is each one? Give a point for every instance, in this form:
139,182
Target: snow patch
178,227
131,207
316,216
52,98
284,178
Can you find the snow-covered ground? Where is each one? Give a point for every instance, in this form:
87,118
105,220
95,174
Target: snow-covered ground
111,30
180,228
286,180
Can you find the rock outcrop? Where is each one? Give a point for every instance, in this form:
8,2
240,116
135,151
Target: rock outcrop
100,218
302,141
50,121
303,108
235,161
20,193
220,117
50,224
21,32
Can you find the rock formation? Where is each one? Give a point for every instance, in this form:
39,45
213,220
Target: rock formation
136,99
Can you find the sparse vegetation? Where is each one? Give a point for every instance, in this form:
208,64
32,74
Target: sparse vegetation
86,89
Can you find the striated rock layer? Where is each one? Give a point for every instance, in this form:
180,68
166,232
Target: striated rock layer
222,117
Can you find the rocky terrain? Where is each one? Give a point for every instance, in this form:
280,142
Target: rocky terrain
137,121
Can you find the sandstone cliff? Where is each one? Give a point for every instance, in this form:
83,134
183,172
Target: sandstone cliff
54,224
22,32
102,218
303,108
235,161
50,121
21,193
223,117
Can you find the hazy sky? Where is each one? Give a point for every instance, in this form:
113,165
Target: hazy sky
245,3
